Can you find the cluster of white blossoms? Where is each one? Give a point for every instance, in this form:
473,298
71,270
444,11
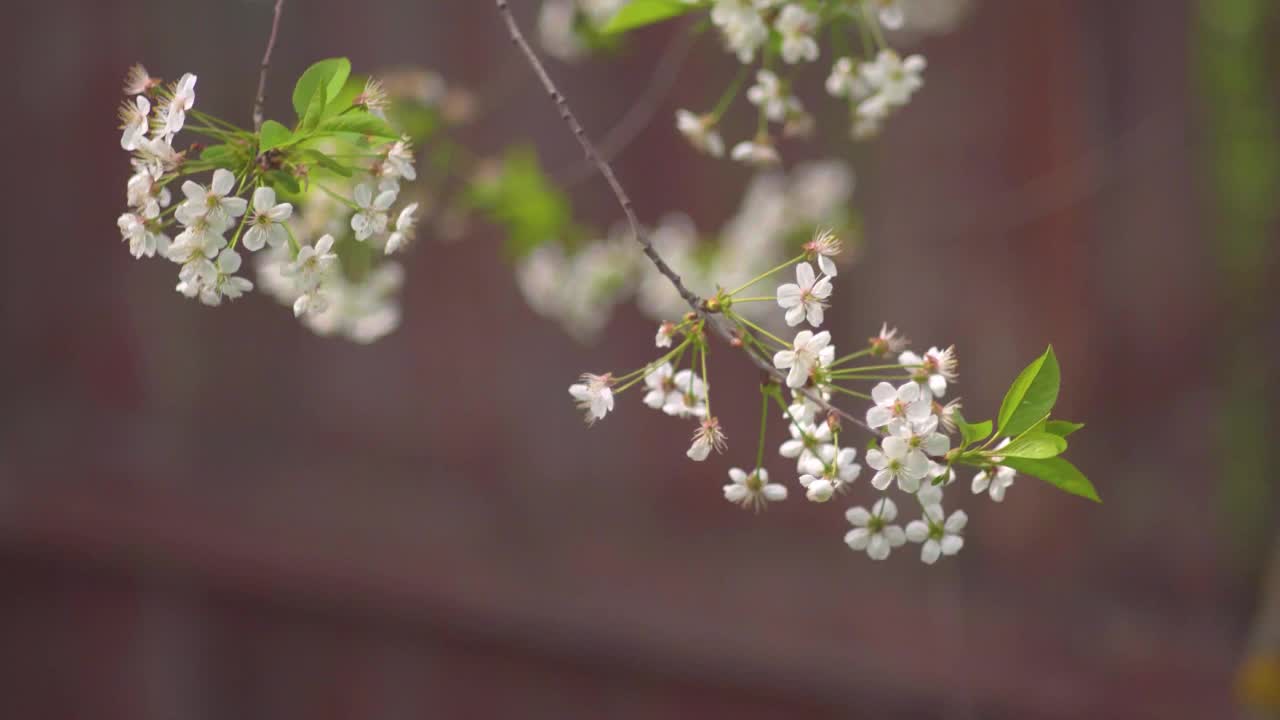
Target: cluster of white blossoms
762,32
906,410
580,288
347,207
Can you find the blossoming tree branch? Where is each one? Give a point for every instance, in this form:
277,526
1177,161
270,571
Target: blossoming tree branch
326,201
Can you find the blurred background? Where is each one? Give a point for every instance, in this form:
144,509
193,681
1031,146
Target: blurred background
217,514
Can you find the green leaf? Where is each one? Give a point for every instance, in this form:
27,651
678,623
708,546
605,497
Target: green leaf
315,111
273,135
1034,445
1031,396
283,181
225,156
973,432
639,13
360,123
1059,473
330,74
520,198
327,162
1062,428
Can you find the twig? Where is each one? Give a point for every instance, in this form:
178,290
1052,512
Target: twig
261,97
641,112
718,323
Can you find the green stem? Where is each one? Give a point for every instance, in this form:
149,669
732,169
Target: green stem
853,356
738,318
764,417
767,273
846,391
730,93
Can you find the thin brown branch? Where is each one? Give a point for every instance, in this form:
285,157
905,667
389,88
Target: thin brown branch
719,325
261,97
641,112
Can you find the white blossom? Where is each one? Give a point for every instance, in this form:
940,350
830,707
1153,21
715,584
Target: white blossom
309,271
214,202
399,161
706,438
829,471
939,534
137,80
743,29
594,395
995,481
802,357
143,240
768,94
666,331
754,490
890,14
806,298
266,225
701,132
661,383
759,152
134,122
895,460
144,192
405,229
933,370
903,403
893,82
873,531
176,107
371,217
202,238
796,26
824,247
845,81
808,442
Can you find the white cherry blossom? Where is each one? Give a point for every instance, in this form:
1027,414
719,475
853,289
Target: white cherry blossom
802,357
176,107
214,202
932,370
134,122
754,490
594,395
706,438
405,229
266,225
806,298
371,218
797,26
759,152
700,131
939,535
894,460
873,531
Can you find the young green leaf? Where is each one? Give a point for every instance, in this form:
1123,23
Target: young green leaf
360,123
1034,445
326,162
1031,396
973,432
315,111
1059,473
524,201
273,135
331,74
639,13
225,156
1062,428
283,182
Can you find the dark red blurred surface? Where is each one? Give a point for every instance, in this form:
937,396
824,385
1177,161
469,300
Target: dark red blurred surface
213,513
